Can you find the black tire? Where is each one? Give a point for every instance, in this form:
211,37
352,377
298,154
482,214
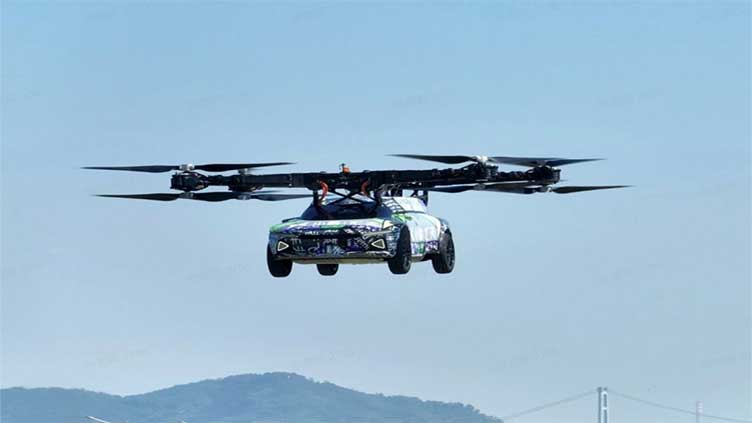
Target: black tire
278,268
400,263
327,269
443,261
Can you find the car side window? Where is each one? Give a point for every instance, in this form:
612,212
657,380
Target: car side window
311,213
383,212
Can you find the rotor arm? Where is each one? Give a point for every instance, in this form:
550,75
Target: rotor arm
192,181
354,181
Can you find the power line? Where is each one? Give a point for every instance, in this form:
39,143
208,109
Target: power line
678,410
550,404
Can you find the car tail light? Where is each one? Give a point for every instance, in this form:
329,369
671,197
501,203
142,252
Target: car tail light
379,243
282,245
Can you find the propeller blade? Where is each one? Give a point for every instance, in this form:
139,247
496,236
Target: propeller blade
517,161
263,196
219,167
230,195
212,167
452,189
278,197
440,159
537,161
155,197
210,196
511,187
573,189
215,196
520,188
149,169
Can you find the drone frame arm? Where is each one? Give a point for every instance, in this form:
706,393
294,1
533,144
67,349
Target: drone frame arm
360,181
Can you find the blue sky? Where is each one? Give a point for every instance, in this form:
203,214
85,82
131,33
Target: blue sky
645,290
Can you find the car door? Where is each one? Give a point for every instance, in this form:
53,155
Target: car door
425,231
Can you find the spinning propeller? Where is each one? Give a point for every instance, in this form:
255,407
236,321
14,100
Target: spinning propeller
518,161
204,196
210,196
213,167
542,176
521,188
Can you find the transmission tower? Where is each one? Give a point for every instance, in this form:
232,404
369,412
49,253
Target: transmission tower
698,411
602,405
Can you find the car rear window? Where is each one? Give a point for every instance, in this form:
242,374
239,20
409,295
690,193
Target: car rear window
340,211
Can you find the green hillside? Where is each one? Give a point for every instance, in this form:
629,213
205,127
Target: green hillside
271,397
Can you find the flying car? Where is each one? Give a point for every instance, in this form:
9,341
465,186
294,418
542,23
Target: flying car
362,217
359,229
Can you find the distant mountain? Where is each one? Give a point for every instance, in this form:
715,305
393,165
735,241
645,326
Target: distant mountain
270,397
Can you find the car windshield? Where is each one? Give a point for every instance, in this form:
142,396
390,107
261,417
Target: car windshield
342,210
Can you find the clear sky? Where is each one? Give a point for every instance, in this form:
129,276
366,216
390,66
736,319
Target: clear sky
645,290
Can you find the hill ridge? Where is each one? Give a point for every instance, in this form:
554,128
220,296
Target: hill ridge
281,397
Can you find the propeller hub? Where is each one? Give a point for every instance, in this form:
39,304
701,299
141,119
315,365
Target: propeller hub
186,167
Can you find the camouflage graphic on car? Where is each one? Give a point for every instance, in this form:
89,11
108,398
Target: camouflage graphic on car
365,238
302,226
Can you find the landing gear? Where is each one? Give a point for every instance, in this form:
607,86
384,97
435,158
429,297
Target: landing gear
443,260
278,268
400,263
327,269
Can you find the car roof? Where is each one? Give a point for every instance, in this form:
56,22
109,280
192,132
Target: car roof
395,204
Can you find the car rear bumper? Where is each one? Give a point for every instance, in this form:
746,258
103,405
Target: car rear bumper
340,260
334,247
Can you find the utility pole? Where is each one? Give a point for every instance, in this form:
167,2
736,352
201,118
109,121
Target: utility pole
602,405
698,411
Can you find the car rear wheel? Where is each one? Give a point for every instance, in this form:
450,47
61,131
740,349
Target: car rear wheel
327,269
443,261
400,263
279,268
